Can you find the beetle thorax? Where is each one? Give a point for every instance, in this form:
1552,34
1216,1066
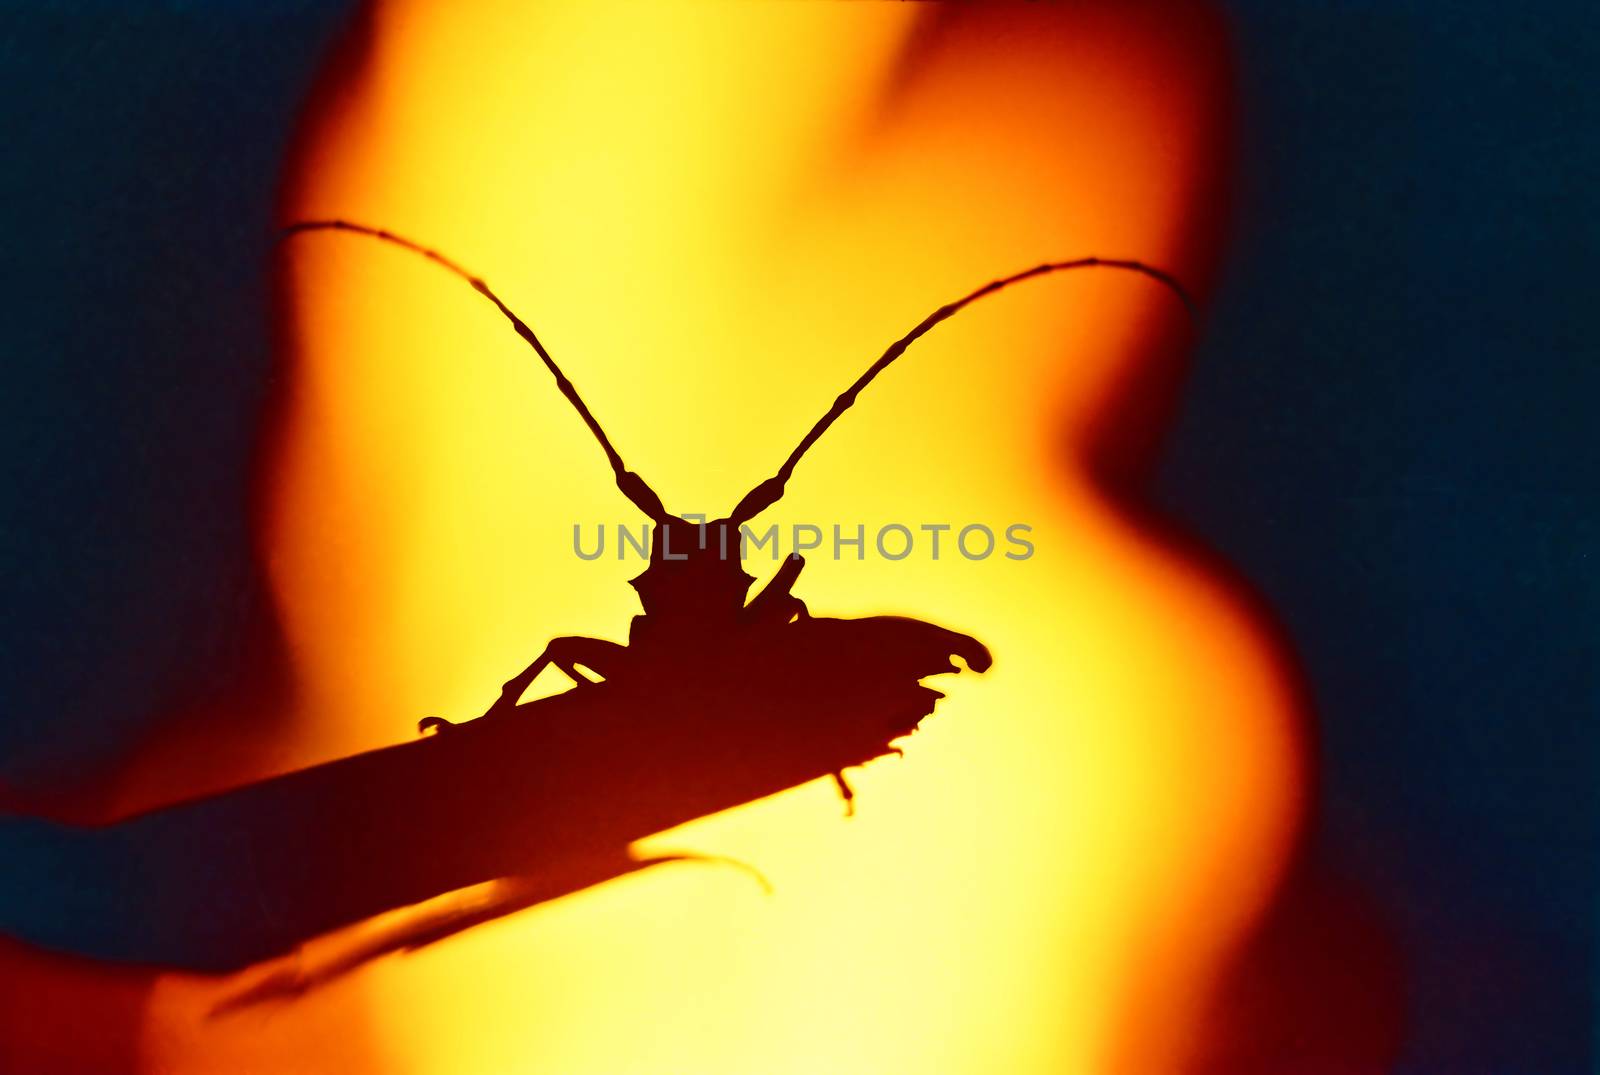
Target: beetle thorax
695,575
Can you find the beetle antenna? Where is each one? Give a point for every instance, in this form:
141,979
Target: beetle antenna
768,492
633,487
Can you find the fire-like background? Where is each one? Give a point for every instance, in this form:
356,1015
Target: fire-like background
255,516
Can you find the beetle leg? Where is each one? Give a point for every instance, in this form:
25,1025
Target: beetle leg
512,692
566,653
599,656
570,669
845,793
775,602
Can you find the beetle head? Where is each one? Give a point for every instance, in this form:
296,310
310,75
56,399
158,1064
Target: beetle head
695,571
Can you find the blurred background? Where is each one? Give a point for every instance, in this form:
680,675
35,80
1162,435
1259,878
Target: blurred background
1384,431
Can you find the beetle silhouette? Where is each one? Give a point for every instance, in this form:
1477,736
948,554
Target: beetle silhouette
718,699
693,593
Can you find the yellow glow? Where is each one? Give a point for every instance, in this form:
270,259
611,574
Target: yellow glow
715,217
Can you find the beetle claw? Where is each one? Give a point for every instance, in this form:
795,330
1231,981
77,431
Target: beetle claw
433,724
845,793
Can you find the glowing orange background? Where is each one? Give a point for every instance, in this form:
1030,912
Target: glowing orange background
715,216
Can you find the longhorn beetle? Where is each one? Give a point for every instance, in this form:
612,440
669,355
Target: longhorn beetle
716,701
696,614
